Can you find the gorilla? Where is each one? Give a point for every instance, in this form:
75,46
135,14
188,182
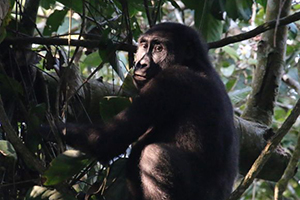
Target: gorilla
180,125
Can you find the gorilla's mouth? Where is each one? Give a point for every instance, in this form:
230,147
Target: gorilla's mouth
139,77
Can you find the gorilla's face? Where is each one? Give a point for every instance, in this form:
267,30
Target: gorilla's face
155,52
166,45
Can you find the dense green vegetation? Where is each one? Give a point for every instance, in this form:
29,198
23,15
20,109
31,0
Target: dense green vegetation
70,60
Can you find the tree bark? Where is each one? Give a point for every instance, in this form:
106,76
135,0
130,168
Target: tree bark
267,75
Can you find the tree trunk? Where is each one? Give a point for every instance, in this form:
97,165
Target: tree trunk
267,75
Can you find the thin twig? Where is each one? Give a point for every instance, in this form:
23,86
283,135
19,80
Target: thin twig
281,4
289,172
291,82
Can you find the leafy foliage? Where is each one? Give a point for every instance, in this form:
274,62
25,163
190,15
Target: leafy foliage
34,84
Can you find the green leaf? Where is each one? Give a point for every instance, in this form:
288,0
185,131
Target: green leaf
252,61
135,6
231,83
293,30
279,114
192,4
295,7
47,3
10,87
217,9
117,181
76,5
39,110
2,33
7,150
65,166
36,115
109,55
260,17
54,21
239,95
263,3
239,9
43,193
92,60
231,52
228,71
112,105
64,28
210,27
128,87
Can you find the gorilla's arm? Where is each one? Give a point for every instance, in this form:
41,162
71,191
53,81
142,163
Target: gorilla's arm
155,104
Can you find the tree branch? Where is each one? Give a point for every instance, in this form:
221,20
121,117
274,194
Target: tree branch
60,41
258,134
291,82
258,30
266,153
132,48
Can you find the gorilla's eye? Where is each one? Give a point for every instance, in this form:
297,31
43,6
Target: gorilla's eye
144,45
158,48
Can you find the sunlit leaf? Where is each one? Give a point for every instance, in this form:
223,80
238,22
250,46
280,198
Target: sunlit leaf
279,114
65,26
128,86
231,52
228,71
7,150
43,193
263,3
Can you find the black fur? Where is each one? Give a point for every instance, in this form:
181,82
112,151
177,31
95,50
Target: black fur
181,124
